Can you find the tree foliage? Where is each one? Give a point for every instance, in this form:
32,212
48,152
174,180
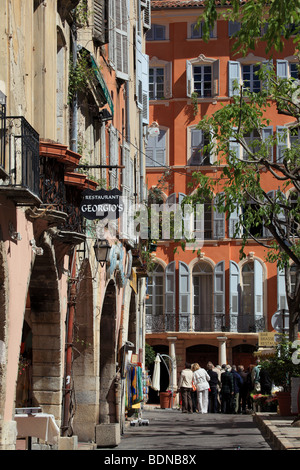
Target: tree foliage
272,21
242,174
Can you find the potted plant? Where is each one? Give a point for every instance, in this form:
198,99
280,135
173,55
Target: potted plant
281,369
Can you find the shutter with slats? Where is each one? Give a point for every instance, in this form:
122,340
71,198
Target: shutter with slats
282,67
281,291
147,14
219,294
189,70
234,294
145,88
139,68
100,31
258,290
121,35
281,144
170,299
184,297
219,221
234,68
267,133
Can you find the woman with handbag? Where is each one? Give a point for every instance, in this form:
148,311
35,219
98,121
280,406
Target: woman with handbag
201,380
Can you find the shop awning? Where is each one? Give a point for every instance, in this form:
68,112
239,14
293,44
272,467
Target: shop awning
105,95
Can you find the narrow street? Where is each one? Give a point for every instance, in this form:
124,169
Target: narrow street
173,430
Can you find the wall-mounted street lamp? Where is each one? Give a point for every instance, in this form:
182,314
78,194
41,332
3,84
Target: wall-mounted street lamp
102,251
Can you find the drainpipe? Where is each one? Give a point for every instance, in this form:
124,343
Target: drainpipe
141,158
69,349
74,124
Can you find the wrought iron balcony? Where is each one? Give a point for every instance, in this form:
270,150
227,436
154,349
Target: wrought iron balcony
203,323
20,154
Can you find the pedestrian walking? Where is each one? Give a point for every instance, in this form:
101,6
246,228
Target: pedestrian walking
194,393
185,386
217,369
265,381
237,385
213,389
255,377
243,390
226,390
201,380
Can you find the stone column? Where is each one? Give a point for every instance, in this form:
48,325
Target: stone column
222,349
172,354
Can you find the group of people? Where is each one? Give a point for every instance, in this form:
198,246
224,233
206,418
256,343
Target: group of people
221,389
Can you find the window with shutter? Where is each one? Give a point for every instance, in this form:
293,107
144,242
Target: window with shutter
234,295
281,290
258,289
235,230
219,296
287,68
203,297
160,79
145,88
139,67
199,153
147,15
100,30
118,40
252,297
156,150
244,71
202,77
113,157
170,298
219,220
196,32
184,297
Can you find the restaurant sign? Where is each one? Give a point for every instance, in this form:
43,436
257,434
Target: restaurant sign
101,204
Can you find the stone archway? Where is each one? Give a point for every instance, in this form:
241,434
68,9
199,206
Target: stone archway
47,342
202,354
132,320
86,384
242,354
108,356
108,431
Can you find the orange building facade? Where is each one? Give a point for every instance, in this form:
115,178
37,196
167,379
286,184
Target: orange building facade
208,304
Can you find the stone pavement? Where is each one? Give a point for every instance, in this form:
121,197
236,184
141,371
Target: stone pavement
278,430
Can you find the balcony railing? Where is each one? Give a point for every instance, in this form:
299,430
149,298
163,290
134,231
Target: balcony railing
23,155
203,323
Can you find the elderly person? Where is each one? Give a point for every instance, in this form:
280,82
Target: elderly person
201,380
185,385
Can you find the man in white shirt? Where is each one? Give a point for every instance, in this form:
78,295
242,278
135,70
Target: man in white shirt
185,386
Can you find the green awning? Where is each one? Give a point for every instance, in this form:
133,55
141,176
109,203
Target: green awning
100,79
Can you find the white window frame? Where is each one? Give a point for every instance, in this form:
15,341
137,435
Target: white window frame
284,141
235,71
194,135
154,163
154,62
118,38
202,61
154,275
195,33
240,151
283,67
152,34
